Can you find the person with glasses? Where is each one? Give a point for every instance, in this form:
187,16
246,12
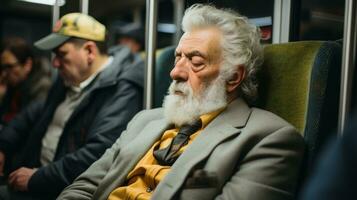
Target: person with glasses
23,78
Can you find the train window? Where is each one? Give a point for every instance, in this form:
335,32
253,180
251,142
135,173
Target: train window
252,8
24,19
69,6
260,15
321,20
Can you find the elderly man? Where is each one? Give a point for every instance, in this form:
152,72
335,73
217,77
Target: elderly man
206,142
88,107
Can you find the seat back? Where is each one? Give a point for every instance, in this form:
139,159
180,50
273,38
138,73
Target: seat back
300,81
164,64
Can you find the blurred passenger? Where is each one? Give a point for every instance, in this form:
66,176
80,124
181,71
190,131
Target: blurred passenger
87,108
206,142
335,176
132,36
3,88
23,79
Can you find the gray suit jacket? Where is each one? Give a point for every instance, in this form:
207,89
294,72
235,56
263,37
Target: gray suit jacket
244,153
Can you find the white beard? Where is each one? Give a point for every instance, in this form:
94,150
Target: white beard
186,108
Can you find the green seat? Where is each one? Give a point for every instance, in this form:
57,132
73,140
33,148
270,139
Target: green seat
298,81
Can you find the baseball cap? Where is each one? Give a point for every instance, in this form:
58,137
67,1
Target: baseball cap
72,25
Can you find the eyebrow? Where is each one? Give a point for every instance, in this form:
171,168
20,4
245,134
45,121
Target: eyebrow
192,54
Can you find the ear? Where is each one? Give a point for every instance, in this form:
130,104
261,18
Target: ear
91,50
236,79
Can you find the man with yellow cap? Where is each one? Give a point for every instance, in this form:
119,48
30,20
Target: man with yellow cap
86,110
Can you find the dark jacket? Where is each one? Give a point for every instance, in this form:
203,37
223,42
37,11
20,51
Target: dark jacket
113,99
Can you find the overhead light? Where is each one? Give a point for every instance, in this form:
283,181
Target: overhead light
47,2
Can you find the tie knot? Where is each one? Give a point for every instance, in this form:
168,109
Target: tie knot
189,129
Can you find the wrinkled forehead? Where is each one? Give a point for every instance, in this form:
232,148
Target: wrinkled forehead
206,41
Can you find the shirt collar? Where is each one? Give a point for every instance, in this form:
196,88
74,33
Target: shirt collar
207,118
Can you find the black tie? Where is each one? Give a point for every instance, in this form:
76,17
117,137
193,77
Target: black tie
168,155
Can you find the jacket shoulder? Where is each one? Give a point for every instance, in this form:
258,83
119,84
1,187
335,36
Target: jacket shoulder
266,122
261,114
131,65
149,115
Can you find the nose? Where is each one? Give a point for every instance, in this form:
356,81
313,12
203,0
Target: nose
179,72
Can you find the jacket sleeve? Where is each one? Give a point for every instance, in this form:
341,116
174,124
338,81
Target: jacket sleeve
107,126
15,133
86,184
270,170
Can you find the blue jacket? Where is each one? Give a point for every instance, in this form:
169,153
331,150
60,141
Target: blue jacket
113,99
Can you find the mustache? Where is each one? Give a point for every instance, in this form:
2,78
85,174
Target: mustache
181,87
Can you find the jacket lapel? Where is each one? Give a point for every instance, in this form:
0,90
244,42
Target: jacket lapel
134,150
129,156
137,148
226,125
82,105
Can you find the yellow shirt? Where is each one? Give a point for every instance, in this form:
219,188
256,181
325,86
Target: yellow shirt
147,174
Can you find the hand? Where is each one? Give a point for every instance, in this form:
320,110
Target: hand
2,163
19,178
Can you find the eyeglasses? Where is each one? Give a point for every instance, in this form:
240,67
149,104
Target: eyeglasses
4,67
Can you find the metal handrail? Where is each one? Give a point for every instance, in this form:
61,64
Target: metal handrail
348,62
84,5
151,24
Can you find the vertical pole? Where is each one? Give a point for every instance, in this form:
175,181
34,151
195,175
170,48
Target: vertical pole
137,15
84,4
281,21
178,14
55,17
151,24
55,13
348,62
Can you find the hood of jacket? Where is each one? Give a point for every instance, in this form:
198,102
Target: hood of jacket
125,65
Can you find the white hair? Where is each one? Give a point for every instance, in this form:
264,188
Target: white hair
240,42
